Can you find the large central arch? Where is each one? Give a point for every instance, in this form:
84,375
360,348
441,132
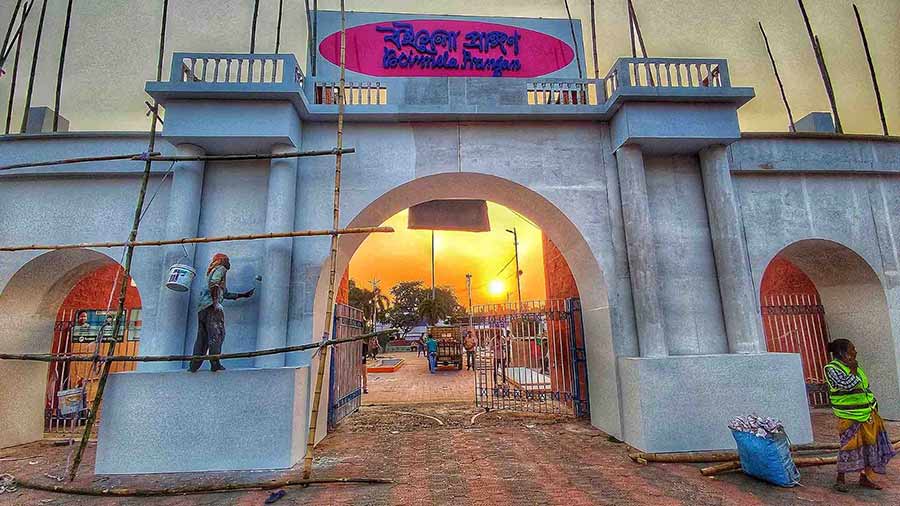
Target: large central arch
592,286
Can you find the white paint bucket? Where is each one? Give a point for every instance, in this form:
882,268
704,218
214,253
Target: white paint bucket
180,277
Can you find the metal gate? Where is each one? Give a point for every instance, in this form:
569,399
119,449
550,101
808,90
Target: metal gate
531,357
796,324
345,384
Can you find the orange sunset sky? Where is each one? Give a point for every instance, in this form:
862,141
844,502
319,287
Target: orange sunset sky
405,255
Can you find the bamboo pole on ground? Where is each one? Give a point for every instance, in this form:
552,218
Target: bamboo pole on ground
34,62
106,491
129,254
62,63
574,39
198,240
323,354
798,461
68,357
862,34
15,72
823,71
778,78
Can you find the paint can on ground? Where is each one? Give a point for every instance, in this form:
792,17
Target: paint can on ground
180,277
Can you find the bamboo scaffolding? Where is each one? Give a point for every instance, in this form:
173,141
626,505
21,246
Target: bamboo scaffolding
594,39
62,63
574,39
4,51
823,70
197,240
278,26
862,34
9,28
34,62
129,254
156,156
253,26
15,72
778,78
67,161
323,356
68,357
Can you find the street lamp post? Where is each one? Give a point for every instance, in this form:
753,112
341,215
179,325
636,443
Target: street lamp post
518,272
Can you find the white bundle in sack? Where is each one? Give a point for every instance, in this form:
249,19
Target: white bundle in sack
757,425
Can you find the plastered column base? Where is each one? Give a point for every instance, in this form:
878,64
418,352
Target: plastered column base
169,422
684,403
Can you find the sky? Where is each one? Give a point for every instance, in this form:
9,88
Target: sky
405,255
113,47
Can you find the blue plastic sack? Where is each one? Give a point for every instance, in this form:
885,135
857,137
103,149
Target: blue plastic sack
768,458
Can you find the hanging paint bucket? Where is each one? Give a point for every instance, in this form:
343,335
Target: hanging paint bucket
180,277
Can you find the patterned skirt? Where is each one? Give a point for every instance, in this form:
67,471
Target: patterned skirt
864,445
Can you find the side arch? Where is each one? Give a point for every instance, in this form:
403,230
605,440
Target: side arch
589,278
856,308
28,307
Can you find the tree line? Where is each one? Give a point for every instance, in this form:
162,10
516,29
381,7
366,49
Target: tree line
410,304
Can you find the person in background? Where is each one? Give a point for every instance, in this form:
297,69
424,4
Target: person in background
431,345
420,346
365,368
469,344
211,314
374,347
865,445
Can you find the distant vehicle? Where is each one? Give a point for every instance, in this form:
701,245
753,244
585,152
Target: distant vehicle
450,346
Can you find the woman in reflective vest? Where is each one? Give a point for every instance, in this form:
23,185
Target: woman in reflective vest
865,445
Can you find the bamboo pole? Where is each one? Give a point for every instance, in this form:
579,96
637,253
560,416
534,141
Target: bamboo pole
261,156
68,357
823,72
9,28
253,27
278,26
862,34
640,38
129,254
798,461
67,161
720,468
323,355
574,39
315,35
193,489
158,157
309,35
15,74
594,40
778,78
62,63
34,62
4,52
197,240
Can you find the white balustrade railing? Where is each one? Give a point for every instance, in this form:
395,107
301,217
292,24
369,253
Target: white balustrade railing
668,73
356,93
236,68
564,92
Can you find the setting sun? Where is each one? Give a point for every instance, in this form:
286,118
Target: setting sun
496,287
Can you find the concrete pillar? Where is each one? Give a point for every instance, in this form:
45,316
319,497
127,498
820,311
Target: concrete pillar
739,302
182,221
274,296
641,252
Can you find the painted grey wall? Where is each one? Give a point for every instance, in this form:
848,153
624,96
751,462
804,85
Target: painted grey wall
689,290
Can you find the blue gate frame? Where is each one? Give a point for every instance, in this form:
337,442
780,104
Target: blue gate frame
345,379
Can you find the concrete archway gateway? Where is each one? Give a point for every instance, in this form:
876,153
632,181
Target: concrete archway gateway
856,308
550,219
28,307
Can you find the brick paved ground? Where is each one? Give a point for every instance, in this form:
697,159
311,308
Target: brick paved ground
412,384
502,458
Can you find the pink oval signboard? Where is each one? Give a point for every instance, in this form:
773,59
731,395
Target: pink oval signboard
447,48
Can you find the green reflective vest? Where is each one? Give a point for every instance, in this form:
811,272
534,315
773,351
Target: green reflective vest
856,404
